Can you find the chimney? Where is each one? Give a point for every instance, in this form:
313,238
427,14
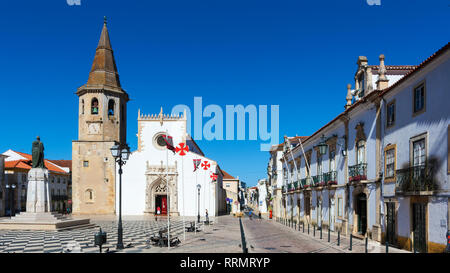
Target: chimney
349,96
382,82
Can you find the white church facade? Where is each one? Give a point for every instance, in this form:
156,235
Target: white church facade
152,165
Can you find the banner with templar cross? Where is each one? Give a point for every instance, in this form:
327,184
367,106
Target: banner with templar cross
196,163
213,177
182,149
205,165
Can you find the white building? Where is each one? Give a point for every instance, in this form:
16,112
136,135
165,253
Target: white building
384,170
17,165
145,175
2,184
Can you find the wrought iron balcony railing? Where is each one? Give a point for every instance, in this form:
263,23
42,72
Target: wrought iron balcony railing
305,182
296,185
318,180
290,186
415,179
330,178
357,172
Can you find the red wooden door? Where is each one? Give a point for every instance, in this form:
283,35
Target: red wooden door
164,205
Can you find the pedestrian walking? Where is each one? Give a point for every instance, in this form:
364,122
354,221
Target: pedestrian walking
206,216
259,215
250,214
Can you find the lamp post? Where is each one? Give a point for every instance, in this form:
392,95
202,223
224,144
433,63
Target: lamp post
198,216
121,153
11,196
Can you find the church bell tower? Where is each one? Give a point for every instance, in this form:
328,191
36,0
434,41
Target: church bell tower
101,124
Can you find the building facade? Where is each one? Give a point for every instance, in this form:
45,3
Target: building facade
379,169
17,165
2,184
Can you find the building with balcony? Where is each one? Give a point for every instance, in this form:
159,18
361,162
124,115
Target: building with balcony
380,168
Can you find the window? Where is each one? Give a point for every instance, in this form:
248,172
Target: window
332,161
82,107
94,106
361,81
85,163
360,149
339,207
111,105
160,140
389,159
419,98
89,195
319,164
419,152
390,119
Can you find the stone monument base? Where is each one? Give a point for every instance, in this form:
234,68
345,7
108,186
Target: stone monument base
43,221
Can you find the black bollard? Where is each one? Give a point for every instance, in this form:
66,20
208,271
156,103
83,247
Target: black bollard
303,224
314,231
321,233
328,234
386,241
339,238
351,244
308,228
367,240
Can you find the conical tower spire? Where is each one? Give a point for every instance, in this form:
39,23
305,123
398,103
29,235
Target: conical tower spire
103,74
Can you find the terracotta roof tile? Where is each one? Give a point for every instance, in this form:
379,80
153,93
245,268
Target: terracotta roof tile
26,164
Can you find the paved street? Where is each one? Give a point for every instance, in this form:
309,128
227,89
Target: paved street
224,236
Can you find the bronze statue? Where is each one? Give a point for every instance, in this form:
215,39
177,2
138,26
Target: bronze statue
37,152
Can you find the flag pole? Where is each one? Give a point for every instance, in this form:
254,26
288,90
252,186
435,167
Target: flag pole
182,177
168,193
196,176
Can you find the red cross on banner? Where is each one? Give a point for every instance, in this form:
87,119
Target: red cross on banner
182,149
205,165
213,177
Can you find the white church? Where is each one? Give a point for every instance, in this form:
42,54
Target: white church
155,176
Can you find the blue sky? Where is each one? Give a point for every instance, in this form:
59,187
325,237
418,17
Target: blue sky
296,54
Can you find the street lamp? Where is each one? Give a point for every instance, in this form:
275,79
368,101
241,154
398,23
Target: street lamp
198,188
11,196
121,153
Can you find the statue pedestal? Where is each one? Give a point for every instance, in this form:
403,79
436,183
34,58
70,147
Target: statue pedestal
38,191
38,215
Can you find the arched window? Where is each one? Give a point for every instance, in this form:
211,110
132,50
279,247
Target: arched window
82,107
94,106
111,107
89,195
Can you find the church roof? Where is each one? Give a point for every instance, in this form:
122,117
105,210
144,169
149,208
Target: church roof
103,74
